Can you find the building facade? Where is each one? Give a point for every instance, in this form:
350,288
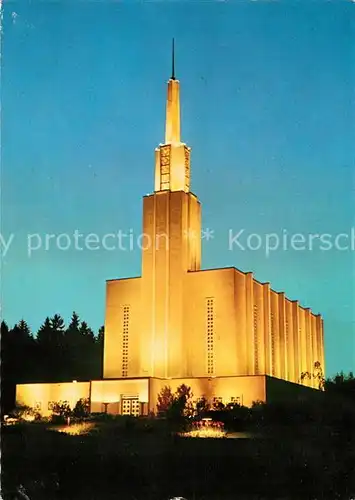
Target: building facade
220,331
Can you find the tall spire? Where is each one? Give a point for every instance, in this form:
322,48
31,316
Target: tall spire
173,62
172,125
172,159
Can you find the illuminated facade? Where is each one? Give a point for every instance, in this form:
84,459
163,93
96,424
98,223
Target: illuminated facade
220,331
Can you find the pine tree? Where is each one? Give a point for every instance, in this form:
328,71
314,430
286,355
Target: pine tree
57,323
99,352
7,373
100,336
74,323
4,329
86,331
22,348
46,352
74,348
22,330
88,359
45,331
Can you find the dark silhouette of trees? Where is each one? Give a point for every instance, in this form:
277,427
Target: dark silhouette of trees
342,384
99,345
18,350
183,400
74,346
175,406
7,367
51,349
165,400
202,406
58,323
54,354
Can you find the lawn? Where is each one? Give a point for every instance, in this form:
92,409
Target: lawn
126,460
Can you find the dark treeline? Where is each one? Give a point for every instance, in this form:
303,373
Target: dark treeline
56,353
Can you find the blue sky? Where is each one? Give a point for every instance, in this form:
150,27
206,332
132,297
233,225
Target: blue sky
267,107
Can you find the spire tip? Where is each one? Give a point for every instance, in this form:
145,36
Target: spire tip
173,61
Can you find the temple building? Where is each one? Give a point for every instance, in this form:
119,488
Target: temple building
219,331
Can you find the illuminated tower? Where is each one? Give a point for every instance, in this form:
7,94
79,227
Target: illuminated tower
172,229
172,159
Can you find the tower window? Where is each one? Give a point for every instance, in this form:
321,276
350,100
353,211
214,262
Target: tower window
256,353
165,181
210,335
165,167
272,343
165,178
286,334
125,340
286,350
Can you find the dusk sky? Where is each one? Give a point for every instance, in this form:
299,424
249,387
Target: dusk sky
267,94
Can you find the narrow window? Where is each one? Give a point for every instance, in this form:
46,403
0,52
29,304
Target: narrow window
125,339
256,354
272,343
286,335
210,335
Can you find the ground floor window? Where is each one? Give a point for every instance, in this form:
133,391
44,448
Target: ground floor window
217,403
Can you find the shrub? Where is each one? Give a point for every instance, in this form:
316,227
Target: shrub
175,406
60,412
82,408
165,401
23,412
202,407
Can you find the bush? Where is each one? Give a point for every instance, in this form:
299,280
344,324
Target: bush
202,407
175,407
82,408
60,412
23,412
